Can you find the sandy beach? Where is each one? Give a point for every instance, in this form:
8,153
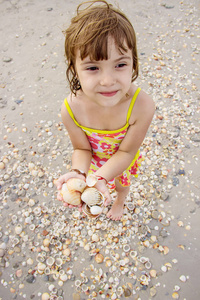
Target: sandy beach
154,251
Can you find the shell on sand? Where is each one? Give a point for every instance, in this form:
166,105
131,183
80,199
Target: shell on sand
76,184
87,212
91,196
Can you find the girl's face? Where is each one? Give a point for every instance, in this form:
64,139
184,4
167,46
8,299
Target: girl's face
106,82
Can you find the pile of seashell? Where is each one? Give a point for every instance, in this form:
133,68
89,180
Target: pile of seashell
75,191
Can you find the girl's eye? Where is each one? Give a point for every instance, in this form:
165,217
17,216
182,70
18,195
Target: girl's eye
121,65
92,68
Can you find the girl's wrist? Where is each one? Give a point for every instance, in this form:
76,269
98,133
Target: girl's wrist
78,171
101,178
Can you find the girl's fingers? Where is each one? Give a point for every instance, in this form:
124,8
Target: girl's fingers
62,179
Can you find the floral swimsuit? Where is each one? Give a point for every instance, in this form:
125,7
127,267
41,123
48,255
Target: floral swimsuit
105,143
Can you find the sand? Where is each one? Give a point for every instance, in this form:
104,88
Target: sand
33,86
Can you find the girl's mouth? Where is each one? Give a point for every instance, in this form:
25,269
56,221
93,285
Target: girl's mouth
108,94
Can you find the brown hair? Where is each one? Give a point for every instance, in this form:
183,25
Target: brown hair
89,31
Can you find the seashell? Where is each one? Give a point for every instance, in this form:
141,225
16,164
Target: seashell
29,261
99,258
66,252
41,266
76,214
127,292
95,237
108,263
45,296
143,259
50,261
47,271
63,277
148,265
37,211
58,261
18,229
91,180
76,184
153,273
77,282
84,287
96,210
14,218
40,258
153,291
46,242
31,202
175,295
133,254
87,212
92,196
71,197
126,248
130,205
183,278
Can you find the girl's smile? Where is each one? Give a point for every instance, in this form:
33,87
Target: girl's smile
106,82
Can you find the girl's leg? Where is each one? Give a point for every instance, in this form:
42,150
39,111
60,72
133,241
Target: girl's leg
116,211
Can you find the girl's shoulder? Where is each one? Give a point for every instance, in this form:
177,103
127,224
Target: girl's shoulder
144,106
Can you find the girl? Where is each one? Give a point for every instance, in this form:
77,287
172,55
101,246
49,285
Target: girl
106,114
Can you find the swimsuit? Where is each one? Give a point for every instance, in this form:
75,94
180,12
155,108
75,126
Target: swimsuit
105,143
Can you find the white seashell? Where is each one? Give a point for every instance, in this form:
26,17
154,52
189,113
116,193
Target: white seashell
92,196
96,210
91,180
31,202
41,266
95,237
130,205
76,184
63,277
87,212
71,197
45,296
29,261
77,282
183,278
50,261
47,271
148,265
133,254
126,248
76,214
18,229
59,261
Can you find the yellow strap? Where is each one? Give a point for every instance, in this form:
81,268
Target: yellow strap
70,112
132,104
105,131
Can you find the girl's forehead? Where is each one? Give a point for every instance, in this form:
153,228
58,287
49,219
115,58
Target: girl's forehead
113,51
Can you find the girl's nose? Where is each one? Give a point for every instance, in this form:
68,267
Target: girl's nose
107,79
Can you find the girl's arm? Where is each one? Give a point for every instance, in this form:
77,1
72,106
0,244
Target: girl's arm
139,123
82,154
81,157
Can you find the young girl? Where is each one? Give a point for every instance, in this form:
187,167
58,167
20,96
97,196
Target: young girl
106,114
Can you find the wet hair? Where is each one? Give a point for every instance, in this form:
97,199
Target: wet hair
88,32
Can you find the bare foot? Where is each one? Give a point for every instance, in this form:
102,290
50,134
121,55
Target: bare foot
116,211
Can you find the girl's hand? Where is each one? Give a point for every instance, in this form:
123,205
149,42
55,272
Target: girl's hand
62,179
102,187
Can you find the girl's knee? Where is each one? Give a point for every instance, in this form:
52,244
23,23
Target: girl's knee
120,187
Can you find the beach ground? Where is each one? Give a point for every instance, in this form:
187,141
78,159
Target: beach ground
153,252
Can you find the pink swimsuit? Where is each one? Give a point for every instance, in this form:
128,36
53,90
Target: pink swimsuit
105,143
